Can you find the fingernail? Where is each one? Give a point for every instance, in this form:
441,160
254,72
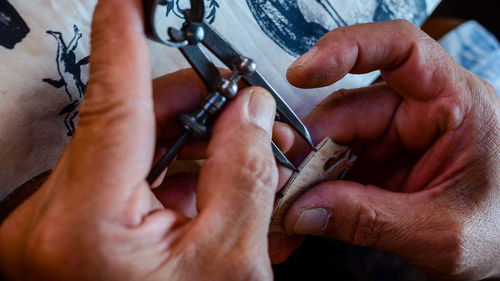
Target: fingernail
262,108
305,59
312,221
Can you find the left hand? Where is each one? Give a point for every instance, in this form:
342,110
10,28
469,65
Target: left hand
426,186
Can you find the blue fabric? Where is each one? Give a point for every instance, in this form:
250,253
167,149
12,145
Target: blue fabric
476,49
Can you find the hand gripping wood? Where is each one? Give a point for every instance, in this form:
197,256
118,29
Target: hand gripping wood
330,162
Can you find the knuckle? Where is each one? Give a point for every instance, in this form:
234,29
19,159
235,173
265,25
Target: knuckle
480,87
404,24
366,229
245,160
337,59
259,167
411,32
106,108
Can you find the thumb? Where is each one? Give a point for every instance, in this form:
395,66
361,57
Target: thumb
363,215
238,180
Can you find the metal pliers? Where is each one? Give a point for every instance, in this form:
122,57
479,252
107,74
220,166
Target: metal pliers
193,32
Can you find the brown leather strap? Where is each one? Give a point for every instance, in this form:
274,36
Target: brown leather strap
20,194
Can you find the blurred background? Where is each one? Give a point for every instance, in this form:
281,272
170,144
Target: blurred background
483,11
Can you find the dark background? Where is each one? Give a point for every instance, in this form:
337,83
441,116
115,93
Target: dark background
486,12
325,259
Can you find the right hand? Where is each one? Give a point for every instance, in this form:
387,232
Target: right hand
96,217
427,184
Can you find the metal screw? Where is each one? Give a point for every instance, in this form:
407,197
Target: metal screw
194,33
244,66
228,87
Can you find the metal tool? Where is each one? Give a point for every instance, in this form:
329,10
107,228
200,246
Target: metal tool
196,31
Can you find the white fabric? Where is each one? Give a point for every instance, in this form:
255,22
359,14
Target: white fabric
476,49
33,109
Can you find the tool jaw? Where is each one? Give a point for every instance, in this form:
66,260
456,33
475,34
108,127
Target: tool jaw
193,32
244,66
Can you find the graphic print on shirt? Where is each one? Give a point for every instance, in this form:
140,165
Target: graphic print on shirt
177,6
69,70
296,25
13,28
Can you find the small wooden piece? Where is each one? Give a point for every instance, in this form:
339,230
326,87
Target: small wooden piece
329,162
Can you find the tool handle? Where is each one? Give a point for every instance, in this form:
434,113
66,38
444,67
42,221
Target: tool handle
168,158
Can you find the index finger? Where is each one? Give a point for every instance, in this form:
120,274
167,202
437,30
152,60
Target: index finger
115,136
398,48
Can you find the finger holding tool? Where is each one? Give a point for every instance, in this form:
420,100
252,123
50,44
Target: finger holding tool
196,31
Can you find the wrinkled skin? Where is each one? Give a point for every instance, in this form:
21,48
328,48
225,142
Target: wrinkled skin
427,184
96,218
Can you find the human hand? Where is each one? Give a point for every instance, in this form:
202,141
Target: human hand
427,184
96,218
